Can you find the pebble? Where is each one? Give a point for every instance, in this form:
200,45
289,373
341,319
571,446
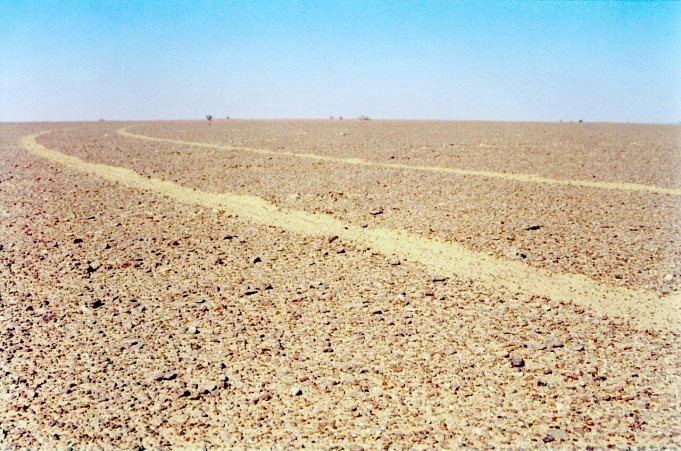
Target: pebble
517,362
554,342
161,376
183,393
94,303
207,388
192,330
295,391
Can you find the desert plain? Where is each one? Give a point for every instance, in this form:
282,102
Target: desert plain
339,284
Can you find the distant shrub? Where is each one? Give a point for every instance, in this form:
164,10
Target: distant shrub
364,118
209,117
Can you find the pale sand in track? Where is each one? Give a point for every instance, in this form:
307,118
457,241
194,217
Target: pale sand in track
525,178
643,308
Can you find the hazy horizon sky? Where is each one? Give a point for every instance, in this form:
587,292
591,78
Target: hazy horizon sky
479,60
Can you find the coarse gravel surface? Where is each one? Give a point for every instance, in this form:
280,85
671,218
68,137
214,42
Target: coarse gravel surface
619,237
132,319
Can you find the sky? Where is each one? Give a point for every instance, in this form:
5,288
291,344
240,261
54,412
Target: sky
460,60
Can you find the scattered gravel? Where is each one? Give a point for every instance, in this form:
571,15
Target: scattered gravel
146,342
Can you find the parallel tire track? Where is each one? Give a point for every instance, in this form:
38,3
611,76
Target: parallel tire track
643,308
524,178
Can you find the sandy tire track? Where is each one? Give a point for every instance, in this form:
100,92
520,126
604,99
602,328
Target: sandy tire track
642,308
523,178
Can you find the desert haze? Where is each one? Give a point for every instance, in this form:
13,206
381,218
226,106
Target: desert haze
339,283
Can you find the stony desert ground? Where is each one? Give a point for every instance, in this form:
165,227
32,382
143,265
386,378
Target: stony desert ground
339,284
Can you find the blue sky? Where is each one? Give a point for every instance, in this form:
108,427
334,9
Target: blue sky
538,61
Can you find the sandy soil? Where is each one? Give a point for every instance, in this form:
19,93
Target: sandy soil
158,294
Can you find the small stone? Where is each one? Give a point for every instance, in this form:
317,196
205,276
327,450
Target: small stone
227,236
333,238
554,342
77,241
439,279
256,260
517,362
394,262
537,346
668,278
104,246
160,376
533,227
548,438
183,393
354,447
376,211
199,300
192,330
295,391
94,303
579,347
224,381
208,388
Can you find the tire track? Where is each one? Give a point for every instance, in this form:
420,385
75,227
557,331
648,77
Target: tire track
524,178
643,308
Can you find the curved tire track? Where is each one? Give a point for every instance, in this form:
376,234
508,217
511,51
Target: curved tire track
524,178
640,307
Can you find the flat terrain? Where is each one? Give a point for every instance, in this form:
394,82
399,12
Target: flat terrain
339,283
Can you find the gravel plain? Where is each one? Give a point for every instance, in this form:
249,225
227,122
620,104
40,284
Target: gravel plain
132,320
